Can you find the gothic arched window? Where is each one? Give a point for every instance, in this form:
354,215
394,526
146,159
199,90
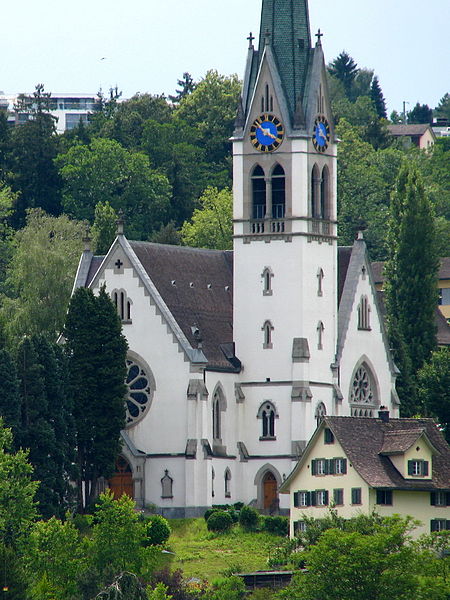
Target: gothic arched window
278,193
267,281
325,206
166,485
267,329
267,413
141,385
258,193
320,276
320,330
218,406
363,392
364,314
315,193
122,304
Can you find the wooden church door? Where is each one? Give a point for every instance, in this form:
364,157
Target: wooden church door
122,481
270,491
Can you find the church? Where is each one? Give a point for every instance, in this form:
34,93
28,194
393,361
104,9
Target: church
235,357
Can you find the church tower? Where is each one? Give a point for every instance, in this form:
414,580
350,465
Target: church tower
285,246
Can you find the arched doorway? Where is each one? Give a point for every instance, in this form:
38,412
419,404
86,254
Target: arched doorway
122,481
270,495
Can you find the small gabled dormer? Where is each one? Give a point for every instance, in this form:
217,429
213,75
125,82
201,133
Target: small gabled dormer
411,453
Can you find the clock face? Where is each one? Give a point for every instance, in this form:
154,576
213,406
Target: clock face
266,133
321,134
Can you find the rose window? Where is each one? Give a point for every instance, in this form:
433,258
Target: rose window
139,396
361,392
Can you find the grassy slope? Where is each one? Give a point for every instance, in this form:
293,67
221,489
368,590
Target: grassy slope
202,554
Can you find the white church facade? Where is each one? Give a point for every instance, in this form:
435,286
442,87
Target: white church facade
235,357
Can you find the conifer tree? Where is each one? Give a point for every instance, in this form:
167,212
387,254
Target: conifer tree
344,68
96,351
377,97
36,432
411,277
9,391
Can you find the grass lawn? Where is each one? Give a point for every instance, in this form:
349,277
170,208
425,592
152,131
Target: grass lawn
200,553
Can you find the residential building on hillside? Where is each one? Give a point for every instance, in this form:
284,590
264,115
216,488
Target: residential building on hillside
391,466
443,308
420,135
68,109
235,357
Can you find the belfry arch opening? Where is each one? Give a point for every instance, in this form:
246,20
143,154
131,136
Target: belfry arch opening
258,193
278,193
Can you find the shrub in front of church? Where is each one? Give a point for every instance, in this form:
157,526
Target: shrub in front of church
276,525
157,531
248,518
219,521
229,508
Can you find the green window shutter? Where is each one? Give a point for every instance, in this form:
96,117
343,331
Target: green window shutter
380,497
296,495
327,497
447,526
314,467
434,525
344,466
327,466
425,468
433,498
308,499
447,498
332,466
410,467
389,498
313,499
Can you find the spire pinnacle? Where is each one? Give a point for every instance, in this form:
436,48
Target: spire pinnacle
250,38
319,35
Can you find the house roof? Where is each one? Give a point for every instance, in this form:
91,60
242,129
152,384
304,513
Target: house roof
365,441
409,130
444,270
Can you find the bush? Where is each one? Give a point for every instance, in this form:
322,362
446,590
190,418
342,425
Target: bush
219,521
276,525
209,512
157,531
248,518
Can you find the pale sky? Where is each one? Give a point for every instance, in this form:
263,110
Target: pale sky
146,45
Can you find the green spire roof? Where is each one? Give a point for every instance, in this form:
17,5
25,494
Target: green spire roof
285,26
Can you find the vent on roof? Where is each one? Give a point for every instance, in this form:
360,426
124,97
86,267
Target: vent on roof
173,282
191,284
227,288
209,286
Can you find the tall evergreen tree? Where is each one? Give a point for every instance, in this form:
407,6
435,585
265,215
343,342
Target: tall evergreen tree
96,364
421,113
36,432
411,278
377,97
344,68
9,391
186,86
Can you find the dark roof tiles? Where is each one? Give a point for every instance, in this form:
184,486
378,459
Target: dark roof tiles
363,440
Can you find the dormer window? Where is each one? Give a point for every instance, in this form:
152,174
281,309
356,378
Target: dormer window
418,468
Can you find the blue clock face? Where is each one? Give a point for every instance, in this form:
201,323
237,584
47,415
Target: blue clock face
321,134
266,133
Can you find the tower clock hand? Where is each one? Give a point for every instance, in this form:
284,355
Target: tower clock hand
267,132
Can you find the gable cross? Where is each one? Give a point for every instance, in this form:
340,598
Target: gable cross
250,38
319,35
118,264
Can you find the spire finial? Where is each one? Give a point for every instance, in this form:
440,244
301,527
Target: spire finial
250,38
319,35
120,222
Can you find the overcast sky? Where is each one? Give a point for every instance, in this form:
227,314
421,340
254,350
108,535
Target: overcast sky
146,45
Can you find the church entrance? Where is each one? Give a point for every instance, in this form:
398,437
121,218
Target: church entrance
270,492
122,481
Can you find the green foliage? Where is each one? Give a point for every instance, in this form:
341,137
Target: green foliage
443,108
158,593
186,85
9,391
96,367
7,200
126,586
211,225
411,278
219,521
249,518
421,113
230,588
17,491
351,565
377,97
434,387
41,275
104,228
276,525
103,172
12,575
54,556
345,69
157,530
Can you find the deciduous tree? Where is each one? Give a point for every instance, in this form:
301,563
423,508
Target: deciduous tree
434,387
211,225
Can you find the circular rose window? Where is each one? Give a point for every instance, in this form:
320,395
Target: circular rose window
140,386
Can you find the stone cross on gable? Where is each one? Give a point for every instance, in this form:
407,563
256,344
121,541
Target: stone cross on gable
319,35
250,38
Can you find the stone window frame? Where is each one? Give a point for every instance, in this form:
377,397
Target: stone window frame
166,485
267,276
364,311
320,278
123,305
320,330
227,482
267,423
267,330
145,372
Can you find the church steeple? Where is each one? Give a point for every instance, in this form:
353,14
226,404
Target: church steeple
285,27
